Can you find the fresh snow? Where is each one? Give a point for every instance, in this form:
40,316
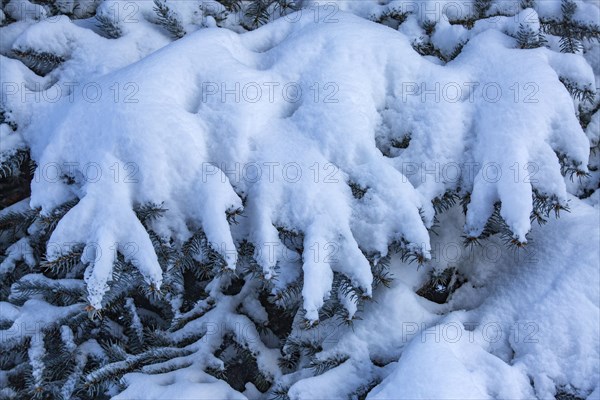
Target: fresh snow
378,83
534,316
191,385
279,122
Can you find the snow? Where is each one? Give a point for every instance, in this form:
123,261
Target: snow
593,129
136,324
324,107
555,303
188,381
535,316
531,315
280,121
192,385
344,379
460,368
20,250
30,319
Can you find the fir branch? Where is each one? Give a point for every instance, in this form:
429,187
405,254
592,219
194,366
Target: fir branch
232,215
198,247
41,63
280,393
528,39
231,5
50,220
585,94
482,7
54,291
586,112
17,222
288,298
13,162
343,286
292,239
124,278
544,205
199,311
65,262
169,19
114,351
392,17
381,274
571,32
412,254
251,268
570,168
149,212
496,226
357,191
109,26
258,13
445,202
402,143
321,366
112,372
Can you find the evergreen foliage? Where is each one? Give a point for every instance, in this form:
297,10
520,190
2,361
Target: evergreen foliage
571,31
528,39
169,19
109,26
12,163
42,63
86,353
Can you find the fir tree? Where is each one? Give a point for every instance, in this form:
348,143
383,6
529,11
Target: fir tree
86,352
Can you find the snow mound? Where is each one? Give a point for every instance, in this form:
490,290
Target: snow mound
531,328
192,385
281,122
461,370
